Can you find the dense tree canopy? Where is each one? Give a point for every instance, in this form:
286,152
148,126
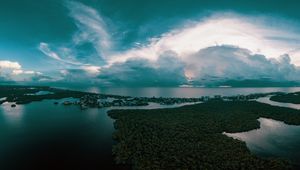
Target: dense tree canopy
190,137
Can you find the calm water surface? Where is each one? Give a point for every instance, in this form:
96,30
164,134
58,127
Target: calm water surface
184,92
273,103
273,138
41,134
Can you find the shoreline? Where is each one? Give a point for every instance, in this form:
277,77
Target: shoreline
27,94
176,121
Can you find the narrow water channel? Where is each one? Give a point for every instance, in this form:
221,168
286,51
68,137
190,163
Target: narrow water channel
273,138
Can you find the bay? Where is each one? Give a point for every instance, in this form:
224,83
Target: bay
41,134
181,92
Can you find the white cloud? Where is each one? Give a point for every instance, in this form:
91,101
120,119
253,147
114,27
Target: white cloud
5,64
229,62
17,72
252,33
44,48
63,72
12,71
20,71
30,72
92,28
209,66
92,31
91,69
225,46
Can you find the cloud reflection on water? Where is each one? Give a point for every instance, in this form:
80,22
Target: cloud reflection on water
12,115
273,138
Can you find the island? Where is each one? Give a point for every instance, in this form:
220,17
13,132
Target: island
287,98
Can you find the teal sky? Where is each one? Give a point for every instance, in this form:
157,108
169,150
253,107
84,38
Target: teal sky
114,42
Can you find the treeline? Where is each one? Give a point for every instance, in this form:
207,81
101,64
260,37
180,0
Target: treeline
191,137
287,98
21,94
7,90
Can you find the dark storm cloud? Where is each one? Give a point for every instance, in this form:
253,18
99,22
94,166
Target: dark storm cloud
168,70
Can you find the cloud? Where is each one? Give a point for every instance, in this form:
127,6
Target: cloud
12,72
90,44
209,66
38,77
9,68
78,76
91,69
5,64
44,48
263,35
20,71
219,48
168,70
91,28
234,63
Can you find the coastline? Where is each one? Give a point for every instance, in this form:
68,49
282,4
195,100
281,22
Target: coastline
221,103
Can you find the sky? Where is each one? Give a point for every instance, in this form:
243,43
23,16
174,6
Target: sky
150,43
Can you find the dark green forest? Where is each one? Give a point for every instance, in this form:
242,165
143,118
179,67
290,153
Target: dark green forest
19,94
287,98
190,137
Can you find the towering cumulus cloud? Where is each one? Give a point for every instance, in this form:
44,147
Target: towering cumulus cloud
214,50
233,63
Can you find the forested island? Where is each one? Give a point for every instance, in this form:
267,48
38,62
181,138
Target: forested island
287,98
190,137
28,94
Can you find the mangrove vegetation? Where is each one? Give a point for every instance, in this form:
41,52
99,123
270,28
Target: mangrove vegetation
190,137
287,98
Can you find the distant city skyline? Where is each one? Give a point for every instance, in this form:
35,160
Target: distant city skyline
150,43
